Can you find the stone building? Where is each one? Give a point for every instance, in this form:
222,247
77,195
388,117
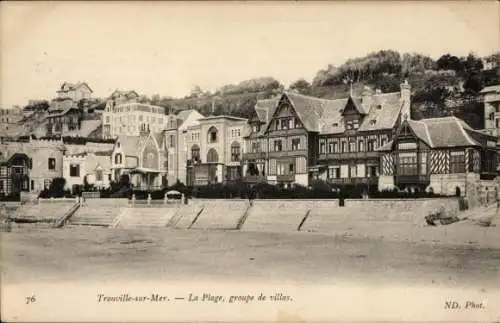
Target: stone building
215,150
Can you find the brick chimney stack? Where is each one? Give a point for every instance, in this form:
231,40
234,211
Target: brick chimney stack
406,100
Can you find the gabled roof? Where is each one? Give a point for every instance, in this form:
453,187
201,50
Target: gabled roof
127,94
356,103
444,132
265,109
74,86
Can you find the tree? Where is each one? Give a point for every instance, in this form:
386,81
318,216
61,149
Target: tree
196,92
301,85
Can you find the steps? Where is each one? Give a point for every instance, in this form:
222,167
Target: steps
41,212
102,216
146,217
225,215
275,216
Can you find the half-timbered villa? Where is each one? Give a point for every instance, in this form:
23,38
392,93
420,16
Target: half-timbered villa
297,138
438,154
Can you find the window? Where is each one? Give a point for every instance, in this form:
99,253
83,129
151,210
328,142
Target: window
256,128
256,147
352,146
322,147
172,141
296,144
372,171
355,124
98,175
334,172
74,170
408,164
361,146
457,162
344,147
492,116
235,152
371,145
332,147
52,164
118,158
107,119
353,171
383,142
212,156
140,117
278,145
212,135
423,163
297,123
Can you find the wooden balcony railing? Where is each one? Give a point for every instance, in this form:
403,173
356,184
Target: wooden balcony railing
343,156
353,181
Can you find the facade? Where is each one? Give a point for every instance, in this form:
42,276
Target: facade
439,154
491,99
296,138
130,118
215,150
9,118
92,167
176,135
75,92
143,158
63,118
39,161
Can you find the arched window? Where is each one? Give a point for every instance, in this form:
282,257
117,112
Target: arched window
195,152
118,158
212,135
235,152
212,156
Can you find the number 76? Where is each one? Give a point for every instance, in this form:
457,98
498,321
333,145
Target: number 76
30,299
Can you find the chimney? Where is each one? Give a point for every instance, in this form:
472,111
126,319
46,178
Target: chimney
367,98
406,100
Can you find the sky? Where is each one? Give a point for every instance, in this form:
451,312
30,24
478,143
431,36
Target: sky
168,47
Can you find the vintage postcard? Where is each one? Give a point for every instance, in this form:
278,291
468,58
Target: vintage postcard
250,161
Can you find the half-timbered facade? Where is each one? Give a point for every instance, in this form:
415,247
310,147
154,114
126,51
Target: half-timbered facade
353,130
438,154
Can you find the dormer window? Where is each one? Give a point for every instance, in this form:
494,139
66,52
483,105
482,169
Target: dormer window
341,111
335,124
373,122
379,107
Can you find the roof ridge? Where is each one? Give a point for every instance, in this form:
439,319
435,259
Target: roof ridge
464,132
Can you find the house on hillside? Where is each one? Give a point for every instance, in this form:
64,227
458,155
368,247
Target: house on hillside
75,91
298,138
143,158
9,119
63,117
438,154
130,118
491,99
215,150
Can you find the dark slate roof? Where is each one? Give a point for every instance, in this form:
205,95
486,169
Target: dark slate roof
265,108
445,132
325,116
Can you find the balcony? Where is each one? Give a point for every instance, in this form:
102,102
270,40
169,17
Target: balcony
254,155
288,153
344,156
353,181
412,179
